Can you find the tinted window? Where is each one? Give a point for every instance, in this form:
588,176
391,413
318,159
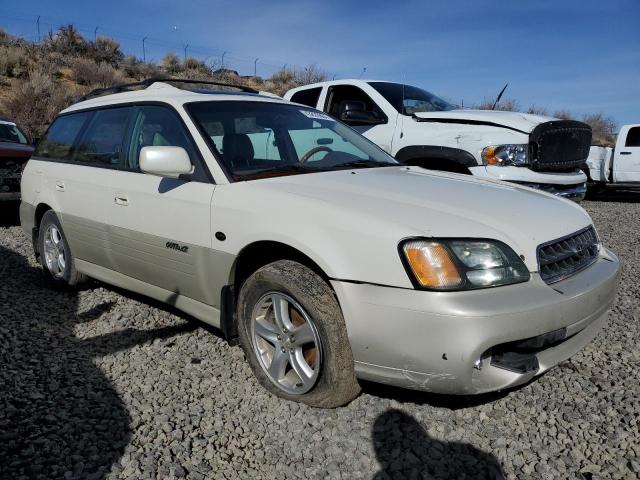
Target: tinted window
307,97
633,137
101,144
341,94
156,126
409,100
59,139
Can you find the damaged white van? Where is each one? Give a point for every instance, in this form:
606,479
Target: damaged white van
326,258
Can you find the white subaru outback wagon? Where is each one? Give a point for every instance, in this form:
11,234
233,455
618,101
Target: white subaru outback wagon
323,256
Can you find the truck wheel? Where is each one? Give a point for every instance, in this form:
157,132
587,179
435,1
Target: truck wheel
294,336
55,255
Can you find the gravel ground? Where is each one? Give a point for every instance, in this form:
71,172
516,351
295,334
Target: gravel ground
104,384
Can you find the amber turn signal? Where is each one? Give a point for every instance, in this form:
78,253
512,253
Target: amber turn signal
432,265
489,156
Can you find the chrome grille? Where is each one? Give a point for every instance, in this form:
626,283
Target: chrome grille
566,256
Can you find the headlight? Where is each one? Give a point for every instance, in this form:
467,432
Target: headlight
503,155
460,264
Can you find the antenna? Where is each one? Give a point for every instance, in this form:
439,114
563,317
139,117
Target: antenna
499,97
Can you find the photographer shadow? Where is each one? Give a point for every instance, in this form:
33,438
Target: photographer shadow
60,415
405,450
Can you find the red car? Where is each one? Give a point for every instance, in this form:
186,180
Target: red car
15,150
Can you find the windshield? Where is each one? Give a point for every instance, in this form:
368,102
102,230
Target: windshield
9,132
409,100
263,139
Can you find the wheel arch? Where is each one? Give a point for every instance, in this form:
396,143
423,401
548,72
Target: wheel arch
437,158
251,258
40,210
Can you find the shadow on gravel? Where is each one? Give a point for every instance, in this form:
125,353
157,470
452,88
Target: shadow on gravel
452,402
60,416
9,214
405,450
626,196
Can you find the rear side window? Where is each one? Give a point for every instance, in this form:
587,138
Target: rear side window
59,139
156,126
633,137
307,97
101,143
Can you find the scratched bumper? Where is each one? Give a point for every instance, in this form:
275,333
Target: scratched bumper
444,342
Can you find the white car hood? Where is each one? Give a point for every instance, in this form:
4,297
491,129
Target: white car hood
523,122
401,202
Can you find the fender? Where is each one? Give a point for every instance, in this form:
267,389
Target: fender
433,151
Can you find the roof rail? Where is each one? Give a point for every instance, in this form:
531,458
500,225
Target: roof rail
149,81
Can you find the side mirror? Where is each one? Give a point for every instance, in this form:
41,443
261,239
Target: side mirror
360,117
165,161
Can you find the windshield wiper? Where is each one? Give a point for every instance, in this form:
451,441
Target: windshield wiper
364,164
291,168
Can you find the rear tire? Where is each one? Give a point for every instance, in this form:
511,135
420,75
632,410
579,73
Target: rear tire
58,264
284,299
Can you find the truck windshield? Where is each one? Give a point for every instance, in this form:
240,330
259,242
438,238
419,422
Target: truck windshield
266,139
409,100
9,132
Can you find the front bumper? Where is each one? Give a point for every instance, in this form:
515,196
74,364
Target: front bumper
443,341
568,185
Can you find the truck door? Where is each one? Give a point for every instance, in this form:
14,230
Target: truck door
626,164
378,127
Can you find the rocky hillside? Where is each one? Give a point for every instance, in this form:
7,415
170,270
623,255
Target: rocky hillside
37,80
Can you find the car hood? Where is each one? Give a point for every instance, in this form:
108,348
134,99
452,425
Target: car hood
522,122
402,202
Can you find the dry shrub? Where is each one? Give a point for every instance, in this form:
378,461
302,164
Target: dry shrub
105,49
171,63
135,68
506,105
563,115
68,41
537,110
603,129
13,62
95,75
34,102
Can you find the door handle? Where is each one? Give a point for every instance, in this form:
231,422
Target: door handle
60,186
625,153
121,199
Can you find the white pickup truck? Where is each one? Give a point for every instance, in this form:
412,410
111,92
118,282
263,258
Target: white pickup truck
418,128
618,166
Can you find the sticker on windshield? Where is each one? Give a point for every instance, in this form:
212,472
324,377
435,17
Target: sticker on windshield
316,115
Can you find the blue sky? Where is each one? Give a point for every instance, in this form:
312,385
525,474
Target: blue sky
580,55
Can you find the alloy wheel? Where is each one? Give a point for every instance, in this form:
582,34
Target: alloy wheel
286,343
55,252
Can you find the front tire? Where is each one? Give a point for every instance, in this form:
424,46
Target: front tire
55,255
294,336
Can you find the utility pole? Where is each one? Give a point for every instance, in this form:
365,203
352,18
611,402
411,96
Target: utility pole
144,53
95,34
222,62
185,51
255,67
38,24
364,70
